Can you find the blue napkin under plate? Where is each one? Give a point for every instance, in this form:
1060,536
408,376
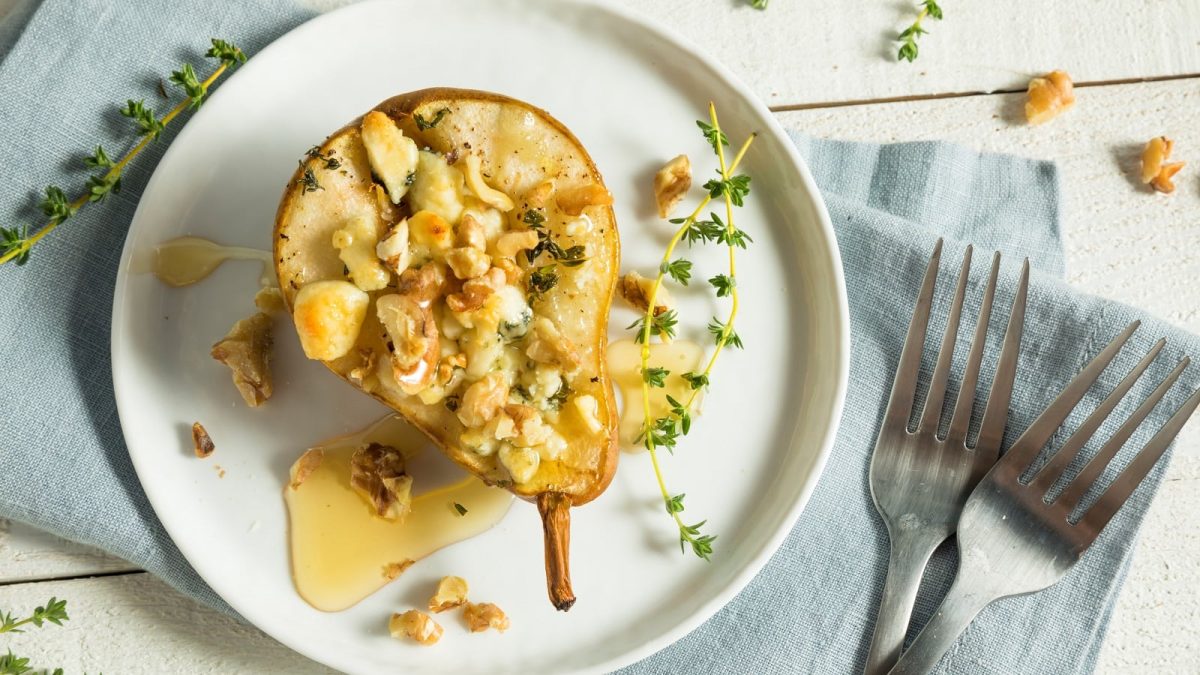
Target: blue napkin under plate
64,467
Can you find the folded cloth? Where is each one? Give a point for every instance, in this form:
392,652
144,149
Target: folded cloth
64,467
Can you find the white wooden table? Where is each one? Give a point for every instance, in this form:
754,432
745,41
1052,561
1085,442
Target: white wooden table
829,70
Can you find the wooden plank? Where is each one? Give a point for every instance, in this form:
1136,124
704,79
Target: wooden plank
27,554
812,52
1125,243
136,624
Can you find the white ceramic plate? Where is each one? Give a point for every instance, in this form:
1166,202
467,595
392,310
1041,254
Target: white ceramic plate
630,91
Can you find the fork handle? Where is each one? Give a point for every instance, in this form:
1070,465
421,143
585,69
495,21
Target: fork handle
963,602
910,552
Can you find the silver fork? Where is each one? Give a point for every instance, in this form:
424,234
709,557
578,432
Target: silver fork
919,482
1011,540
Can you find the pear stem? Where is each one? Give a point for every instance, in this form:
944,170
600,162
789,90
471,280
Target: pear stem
555,508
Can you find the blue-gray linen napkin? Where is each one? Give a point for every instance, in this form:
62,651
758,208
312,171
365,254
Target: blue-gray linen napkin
64,467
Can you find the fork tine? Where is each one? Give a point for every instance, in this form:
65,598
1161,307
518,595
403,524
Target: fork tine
1127,481
991,430
905,386
961,421
932,415
1048,474
1031,442
1074,492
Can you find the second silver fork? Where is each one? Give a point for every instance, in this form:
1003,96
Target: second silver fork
919,482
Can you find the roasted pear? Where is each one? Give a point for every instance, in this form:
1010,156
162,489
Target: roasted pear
453,253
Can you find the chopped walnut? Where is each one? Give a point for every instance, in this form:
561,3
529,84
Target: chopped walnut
1049,97
416,625
1155,169
468,262
424,284
484,615
573,201
512,271
636,289
303,467
483,399
247,352
269,300
448,366
415,342
539,195
394,569
476,291
393,248
471,232
547,345
365,368
387,211
510,244
671,183
451,593
530,429
201,441
377,472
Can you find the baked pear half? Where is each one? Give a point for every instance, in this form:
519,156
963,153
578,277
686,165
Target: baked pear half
453,253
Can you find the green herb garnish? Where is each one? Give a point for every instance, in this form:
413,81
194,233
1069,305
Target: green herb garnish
423,125
908,37
16,242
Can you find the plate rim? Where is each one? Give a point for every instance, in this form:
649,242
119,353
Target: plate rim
769,546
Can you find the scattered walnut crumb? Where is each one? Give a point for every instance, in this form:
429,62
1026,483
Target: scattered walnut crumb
451,593
303,467
1049,97
485,615
377,472
416,625
671,183
247,352
1155,169
636,288
201,441
395,569
269,300
219,470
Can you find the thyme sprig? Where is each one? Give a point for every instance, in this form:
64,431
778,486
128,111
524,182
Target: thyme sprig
54,611
16,242
908,37
664,432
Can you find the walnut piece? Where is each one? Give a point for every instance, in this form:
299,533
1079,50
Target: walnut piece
424,284
636,288
1155,169
268,299
303,467
414,340
547,345
573,201
377,472
247,352
671,183
451,593
509,244
476,291
415,625
201,441
395,569
482,400
485,615
1049,97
